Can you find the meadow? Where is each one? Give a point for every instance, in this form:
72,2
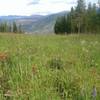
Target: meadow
49,67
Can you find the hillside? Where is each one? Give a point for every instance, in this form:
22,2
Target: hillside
46,24
35,23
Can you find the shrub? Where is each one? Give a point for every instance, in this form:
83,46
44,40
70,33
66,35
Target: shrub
5,63
74,90
60,87
56,63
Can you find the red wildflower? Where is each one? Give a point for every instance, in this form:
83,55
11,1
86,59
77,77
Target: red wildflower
3,56
34,70
93,71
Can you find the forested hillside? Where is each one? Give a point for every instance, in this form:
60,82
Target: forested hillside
33,24
81,19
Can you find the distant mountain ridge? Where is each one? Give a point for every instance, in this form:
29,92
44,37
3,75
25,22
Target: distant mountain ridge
35,23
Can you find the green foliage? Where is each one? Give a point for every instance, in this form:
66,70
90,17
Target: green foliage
11,28
5,67
14,27
74,90
81,7
60,25
60,87
56,63
80,19
25,73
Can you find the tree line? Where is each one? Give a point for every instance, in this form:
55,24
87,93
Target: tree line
10,27
81,19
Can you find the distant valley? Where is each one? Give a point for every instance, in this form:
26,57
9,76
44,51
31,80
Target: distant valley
34,23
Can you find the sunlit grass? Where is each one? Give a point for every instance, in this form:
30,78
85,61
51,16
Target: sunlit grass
26,72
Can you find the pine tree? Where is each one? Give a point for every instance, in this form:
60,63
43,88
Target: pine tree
60,25
72,21
10,27
80,13
80,19
15,29
20,29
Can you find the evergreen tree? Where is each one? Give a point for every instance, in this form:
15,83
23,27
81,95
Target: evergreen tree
80,14
20,29
57,26
80,19
15,27
72,19
89,15
60,25
8,27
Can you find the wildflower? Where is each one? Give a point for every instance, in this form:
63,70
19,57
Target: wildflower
93,71
96,64
85,50
94,93
8,94
96,42
82,92
19,91
83,42
34,71
3,56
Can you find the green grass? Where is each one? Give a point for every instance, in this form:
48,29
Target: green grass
29,70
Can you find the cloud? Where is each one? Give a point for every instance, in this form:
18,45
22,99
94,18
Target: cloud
34,2
51,6
72,2
30,7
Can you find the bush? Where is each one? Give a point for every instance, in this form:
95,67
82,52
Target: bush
69,89
5,67
56,63
60,87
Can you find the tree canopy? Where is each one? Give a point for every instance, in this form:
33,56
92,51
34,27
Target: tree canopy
81,19
10,27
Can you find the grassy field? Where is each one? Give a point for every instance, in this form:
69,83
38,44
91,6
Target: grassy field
49,67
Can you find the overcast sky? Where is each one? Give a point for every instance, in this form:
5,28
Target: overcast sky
30,7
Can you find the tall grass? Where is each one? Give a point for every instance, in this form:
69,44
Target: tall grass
36,67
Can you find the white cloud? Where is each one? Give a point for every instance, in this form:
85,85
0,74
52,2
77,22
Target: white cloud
15,7
52,6
28,7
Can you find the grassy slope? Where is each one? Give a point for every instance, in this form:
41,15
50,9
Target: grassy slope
27,72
